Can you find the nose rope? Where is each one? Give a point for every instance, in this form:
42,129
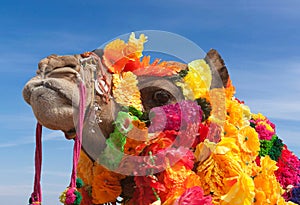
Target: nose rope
78,139
36,196
71,195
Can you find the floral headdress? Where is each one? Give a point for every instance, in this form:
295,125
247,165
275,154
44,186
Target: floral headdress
199,150
208,148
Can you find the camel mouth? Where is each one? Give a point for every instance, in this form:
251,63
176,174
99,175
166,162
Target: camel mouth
58,91
70,134
52,86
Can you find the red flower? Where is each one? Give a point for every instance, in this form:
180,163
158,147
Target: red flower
147,188
288,172
203,132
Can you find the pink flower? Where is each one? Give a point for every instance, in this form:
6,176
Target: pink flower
70,196
193,196
175,116
263,133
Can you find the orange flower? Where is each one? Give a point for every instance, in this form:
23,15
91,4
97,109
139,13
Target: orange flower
177,180
85,168
106,185
230,90
144,67
117,53
136,136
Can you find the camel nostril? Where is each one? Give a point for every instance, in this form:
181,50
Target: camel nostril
47,83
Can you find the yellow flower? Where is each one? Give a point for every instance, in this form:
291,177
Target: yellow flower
204,150
198,80
227,144
267,188
258,116
226,175
241,193
216,169
246,114
234,113
126,91
135,46
230,130
248,140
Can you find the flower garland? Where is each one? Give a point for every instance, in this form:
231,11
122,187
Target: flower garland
197,151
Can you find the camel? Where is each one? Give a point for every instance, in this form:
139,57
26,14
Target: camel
53,95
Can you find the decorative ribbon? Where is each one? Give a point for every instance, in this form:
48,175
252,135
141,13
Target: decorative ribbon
36,196
71,196
78,139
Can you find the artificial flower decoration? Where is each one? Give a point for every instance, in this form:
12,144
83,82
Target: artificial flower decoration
125,90
248,140
193,196
288,173
206,148
197,81
156,68
118,53
85,168
263,126
267,188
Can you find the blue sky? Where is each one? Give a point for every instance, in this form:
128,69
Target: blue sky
259,41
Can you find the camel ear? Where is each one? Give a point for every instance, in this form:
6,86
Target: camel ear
218,68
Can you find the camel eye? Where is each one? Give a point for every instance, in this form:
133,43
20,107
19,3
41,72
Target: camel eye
161,97
157,92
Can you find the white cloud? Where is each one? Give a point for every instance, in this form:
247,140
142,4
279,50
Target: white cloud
48,136
290,138
14,190
270,87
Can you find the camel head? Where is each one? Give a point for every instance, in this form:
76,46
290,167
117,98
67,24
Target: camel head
53,94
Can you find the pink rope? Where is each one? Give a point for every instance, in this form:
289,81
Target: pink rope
78,139
36,196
